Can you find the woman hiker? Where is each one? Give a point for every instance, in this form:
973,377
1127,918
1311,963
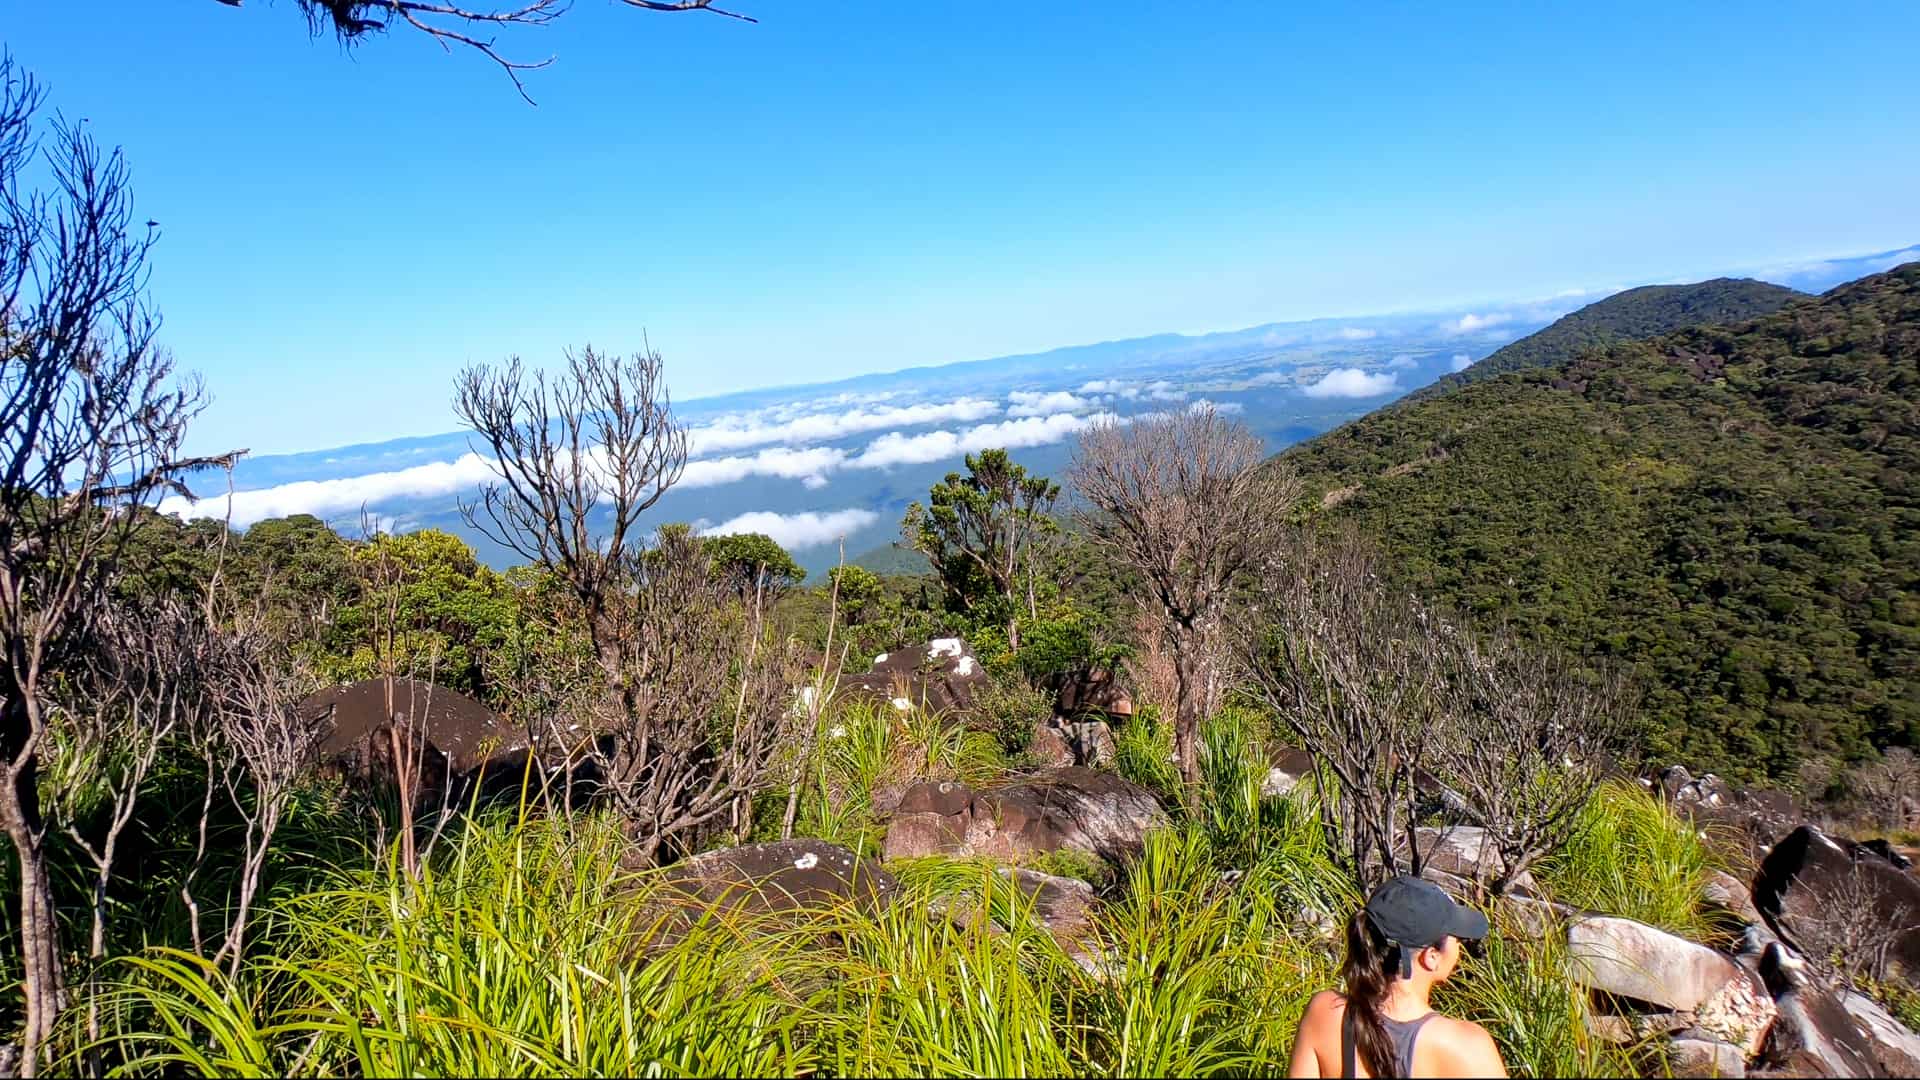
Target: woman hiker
1405,941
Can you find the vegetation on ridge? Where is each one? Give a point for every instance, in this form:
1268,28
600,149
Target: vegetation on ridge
1731,510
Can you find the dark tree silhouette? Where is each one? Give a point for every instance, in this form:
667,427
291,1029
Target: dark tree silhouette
91,422
471,26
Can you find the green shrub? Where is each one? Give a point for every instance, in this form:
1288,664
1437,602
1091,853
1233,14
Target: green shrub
1009,706
1143,752
1629,856
1517,987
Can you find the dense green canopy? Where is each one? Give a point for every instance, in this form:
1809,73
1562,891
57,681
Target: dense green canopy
1734,511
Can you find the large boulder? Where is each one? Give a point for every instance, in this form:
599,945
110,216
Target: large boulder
939,678
1810,879
1094,690
1814,1036
778,877
1288,767
456,737
1062,906
1074,809
1467,852
1634,961
1895,1049
1690,1057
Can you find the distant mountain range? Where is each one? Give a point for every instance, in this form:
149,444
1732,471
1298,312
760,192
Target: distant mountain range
1732,511
833,465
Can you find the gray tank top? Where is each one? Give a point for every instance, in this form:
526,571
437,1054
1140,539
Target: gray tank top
1401,1032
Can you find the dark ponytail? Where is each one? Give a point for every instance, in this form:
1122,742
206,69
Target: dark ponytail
1372,964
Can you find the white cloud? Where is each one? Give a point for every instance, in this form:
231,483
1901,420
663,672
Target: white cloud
1353,383
1470,322
1164,391
795,531
1402,360
1354,333
1461,361
1102,386
809,466
754,429
331,498
1224,408
896,448
1037,403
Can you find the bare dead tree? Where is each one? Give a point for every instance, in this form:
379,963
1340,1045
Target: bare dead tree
137,687
463,25
1850,926
580,459
1890,787
91,423
1407,707
263,746
1525,736
1342,658
696,688
711,704
1191,503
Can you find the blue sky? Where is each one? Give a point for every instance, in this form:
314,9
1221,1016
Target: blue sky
847,187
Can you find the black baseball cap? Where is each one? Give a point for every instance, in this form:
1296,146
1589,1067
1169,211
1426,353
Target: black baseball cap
1413,914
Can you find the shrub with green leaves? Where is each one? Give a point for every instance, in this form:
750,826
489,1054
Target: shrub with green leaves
1629,856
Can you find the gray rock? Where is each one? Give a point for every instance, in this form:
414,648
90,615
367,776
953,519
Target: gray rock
1062,906
1288,769
1814,1036
1705,1058
1073,808
1467,852
1895,1049
1638,962
1050,746
1092,742
1731,895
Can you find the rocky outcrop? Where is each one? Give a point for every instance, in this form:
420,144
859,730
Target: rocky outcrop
456,737
787,875
940,678
1285,771
1814,1036
1811,879
1058,743
1085,691
1633,961
1692,1057
1747,820
1465,852
1074,809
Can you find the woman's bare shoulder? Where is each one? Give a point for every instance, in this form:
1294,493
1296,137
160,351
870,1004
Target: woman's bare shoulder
1468,1046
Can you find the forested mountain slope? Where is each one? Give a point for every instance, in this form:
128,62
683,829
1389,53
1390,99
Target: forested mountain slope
1626,316
1733,510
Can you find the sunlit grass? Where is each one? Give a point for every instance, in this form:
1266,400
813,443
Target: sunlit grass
1630,857
520,952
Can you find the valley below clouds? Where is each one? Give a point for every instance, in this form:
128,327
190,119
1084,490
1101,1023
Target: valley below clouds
823,467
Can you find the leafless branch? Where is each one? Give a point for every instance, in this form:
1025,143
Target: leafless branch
1189,501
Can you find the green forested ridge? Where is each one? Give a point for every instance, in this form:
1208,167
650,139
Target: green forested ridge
1733,510
1626,316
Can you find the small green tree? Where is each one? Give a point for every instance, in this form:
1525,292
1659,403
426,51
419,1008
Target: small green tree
983,533
754,562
